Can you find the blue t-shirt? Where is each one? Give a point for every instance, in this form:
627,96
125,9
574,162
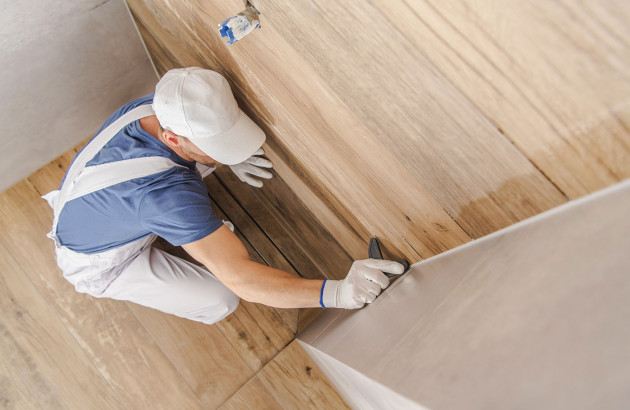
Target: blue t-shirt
173,204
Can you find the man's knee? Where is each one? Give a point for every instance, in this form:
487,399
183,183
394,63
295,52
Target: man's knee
220,309
231,302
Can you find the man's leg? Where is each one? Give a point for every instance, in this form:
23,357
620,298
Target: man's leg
170,284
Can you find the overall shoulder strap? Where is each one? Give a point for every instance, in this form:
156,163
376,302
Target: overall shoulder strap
89,152
103,138
94,178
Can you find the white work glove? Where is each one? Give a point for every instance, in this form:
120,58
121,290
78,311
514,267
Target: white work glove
253,166
362,285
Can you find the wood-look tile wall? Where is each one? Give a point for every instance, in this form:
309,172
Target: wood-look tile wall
423,123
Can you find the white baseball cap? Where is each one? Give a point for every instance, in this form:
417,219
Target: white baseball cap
198,104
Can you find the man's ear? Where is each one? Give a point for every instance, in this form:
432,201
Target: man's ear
171,138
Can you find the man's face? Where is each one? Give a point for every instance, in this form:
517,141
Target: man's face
197,155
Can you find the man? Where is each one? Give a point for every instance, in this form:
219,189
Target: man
137,179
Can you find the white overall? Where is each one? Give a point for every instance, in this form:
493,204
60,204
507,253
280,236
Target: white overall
136,271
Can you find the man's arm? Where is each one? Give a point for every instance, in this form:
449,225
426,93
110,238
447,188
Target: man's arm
226,257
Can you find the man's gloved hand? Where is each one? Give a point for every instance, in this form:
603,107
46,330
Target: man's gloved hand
253,166
362,285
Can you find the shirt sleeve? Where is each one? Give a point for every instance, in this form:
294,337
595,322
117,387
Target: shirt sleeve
179,212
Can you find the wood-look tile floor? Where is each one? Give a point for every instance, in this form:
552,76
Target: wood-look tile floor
62,349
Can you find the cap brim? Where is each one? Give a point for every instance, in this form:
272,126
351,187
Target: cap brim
234,145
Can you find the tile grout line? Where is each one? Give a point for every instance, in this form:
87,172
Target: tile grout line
256,374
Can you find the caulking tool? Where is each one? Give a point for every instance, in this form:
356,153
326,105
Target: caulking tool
374,252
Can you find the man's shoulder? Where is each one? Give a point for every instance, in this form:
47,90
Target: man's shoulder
144,100
172,182
178,190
